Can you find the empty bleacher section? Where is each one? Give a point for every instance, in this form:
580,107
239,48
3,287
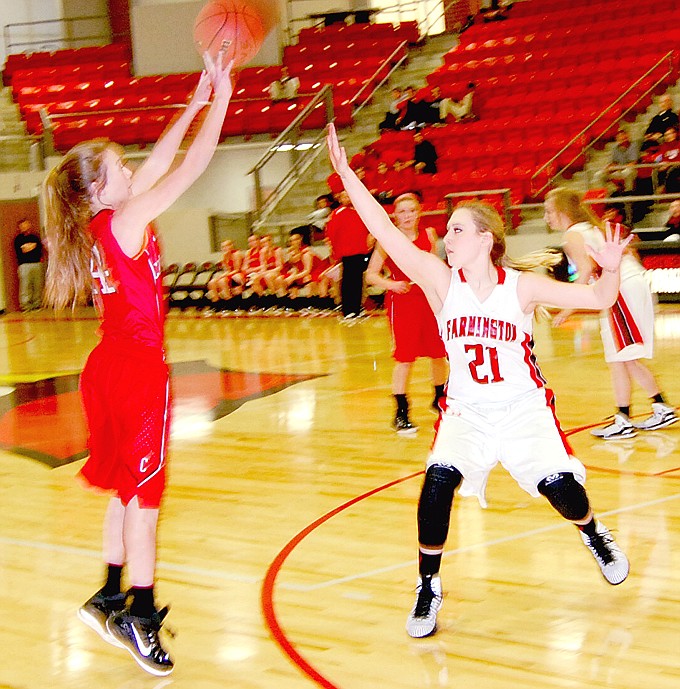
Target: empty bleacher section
90,92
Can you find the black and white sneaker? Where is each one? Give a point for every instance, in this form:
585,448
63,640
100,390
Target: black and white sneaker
610,558
422,620
620,428
95,611
403,426
140,637
662,415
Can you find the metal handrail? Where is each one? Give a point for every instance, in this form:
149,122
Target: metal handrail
383,80
265,208
443,8
668,56
504,192
294,125
65,20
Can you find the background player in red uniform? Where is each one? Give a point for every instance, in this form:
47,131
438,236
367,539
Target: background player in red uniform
413,325
497,406
98,216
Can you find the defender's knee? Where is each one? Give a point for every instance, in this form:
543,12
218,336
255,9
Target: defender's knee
434,506
566,495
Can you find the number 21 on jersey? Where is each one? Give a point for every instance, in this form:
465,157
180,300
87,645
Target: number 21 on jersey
484,362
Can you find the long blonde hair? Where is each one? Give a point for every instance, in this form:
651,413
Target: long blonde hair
487,219
67,194
570,203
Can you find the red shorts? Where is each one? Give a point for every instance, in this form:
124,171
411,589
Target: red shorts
126,393
414,328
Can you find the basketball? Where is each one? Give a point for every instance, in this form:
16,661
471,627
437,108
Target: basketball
239,25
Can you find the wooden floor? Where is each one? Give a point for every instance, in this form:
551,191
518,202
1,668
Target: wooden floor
287,540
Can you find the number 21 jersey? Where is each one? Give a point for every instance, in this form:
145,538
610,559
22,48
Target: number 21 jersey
489,344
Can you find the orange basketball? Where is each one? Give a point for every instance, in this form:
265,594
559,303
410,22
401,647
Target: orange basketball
239,25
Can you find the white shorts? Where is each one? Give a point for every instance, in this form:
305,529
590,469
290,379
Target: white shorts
627,329
523,435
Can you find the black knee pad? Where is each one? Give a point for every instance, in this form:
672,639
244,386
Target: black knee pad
566,495
434,506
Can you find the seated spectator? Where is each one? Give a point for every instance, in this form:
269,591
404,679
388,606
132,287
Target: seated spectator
664,119
646,176
411,112
296,268
228,281
431,107
496,11
459,106
669,169
672,232
424,155
620,171
393,113
285,87
404,177
381,183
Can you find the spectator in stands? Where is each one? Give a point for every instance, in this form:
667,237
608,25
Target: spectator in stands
381,183
424,155
411,111
621,170
285,87
31,270
669,169
496,11
460,106
394,111
664,119
431,107
405,177
672,231
350,245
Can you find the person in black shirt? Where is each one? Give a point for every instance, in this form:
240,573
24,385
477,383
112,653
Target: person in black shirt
425,154
28,248
663,120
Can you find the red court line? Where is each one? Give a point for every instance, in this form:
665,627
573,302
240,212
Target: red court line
267,593
621,472
269,583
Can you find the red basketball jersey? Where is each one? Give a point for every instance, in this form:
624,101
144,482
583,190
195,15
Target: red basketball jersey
128,292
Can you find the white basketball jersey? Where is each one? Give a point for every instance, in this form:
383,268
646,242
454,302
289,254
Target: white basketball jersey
594,238
489,344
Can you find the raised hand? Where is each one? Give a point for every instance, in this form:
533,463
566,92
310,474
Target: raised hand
219,74
201,94
609,257
336,152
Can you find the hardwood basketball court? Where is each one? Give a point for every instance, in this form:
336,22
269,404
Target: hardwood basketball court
288,535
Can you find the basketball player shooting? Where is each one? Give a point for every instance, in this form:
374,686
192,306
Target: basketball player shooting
101,245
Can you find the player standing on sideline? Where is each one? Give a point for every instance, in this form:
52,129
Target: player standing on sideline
414,328
100,242
497,408
627,328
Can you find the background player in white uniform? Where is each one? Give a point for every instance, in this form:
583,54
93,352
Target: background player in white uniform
497,407
627,328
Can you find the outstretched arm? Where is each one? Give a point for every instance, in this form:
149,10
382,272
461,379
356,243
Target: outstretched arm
425,269
130,221
536,289
165,149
